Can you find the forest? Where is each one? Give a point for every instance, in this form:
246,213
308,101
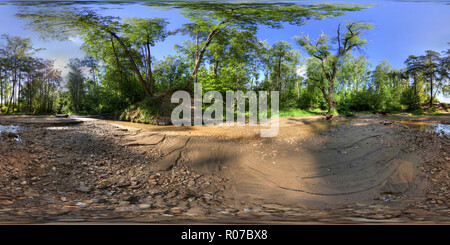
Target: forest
89,90
119,77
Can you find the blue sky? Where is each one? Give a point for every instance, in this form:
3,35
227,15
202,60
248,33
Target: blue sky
401,28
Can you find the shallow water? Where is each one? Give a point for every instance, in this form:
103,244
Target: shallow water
9,129
428,127
288,128
423,126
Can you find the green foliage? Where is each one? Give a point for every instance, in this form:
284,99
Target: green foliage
142,112
323,64
223,54
297,113
435,111
418,112
411,99
445,106
27,84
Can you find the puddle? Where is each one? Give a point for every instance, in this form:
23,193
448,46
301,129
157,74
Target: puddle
430,128
328,124
424,126
11,131
288,128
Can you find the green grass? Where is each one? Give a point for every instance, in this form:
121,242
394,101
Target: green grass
142,112
438,114
299,113
417,112
16,111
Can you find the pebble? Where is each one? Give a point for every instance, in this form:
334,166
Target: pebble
81,204
154,191
208,196
196,211
144,206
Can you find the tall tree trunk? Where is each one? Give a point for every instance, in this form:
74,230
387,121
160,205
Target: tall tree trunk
18,94
12,94
11,99
1,91
118,67
149,69
198,59
237,82
196,53
431,92
415,84
280,82
133,64
329,99
215,67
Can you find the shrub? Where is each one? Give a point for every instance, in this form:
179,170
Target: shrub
434,111
418,112
410,99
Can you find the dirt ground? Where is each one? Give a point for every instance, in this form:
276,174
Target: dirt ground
368,169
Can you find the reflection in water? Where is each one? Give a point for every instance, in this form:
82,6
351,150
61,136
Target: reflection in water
288,128
424,126
11,131
427,127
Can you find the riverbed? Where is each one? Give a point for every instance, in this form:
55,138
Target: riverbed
109,171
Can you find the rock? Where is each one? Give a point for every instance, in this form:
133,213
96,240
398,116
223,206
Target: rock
144,206
436,197
159,202
124,184
126,209
104,184
191,183
176,210
196,211
124,203
132,199
171,194
420,212
85,189
81,204
184,205
6,202
272,206
154,191
208,196
89,201
101,200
